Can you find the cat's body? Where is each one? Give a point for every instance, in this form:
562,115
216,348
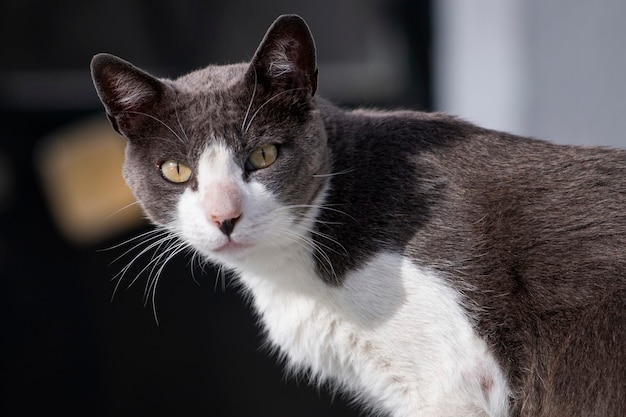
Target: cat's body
428,266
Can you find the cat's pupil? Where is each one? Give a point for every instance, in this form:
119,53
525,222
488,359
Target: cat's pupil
262,157
175,172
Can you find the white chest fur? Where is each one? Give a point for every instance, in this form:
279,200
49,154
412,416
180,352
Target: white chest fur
392,333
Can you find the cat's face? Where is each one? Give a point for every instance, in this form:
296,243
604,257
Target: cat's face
232,158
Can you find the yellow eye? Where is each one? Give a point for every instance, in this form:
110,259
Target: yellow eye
175,172
262,157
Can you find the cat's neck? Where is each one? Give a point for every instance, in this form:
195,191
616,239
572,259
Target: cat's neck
367,151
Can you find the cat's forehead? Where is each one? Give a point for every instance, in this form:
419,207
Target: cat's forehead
208,101
214,95
212,79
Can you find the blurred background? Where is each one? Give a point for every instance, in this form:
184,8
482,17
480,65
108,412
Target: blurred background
552,69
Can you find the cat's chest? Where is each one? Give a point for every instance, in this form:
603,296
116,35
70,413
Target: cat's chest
391,329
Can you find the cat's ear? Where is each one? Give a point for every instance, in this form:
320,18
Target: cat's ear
286,58
127,92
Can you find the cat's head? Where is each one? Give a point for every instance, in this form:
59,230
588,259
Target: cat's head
230,158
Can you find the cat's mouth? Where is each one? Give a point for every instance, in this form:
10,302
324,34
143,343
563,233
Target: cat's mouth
231,247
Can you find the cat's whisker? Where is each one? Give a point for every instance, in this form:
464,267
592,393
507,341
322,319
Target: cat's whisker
154,240
334,174
245,118
116,212
168,254
309,206
329,238
146,237
317,248
180,125
318,254
220,277
217,278
267,102
155,258
160,257
327,222
203,262
157,120
120,275
165,244
151,232
195,260
320,207
312,246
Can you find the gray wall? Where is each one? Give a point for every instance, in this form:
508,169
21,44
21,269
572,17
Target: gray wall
551,69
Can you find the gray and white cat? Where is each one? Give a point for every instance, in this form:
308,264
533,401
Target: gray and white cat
427,266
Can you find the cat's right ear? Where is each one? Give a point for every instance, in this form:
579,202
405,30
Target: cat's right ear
285,59
127,92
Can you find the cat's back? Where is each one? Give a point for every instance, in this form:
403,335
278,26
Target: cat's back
460,167
509,212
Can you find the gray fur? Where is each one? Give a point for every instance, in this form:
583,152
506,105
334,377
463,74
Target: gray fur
533,234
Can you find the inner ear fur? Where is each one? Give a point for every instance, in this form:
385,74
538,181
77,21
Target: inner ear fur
129,94
286,57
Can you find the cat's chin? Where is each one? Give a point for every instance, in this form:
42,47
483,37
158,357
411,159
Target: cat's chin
257,256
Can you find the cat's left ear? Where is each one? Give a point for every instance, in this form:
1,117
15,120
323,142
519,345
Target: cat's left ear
128,93
286,57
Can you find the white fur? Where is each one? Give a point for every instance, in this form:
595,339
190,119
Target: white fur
393,333
280,64
129,92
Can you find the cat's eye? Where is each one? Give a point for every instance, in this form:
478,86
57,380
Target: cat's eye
262,157
175,172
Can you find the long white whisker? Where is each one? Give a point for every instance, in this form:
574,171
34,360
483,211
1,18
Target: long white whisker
314,248
159,258
250,104
132,239
329,238
155,239
116,212
314,206
180,125
157,120
267,102
333,174
147,237
165,244
153,259
171,252
195,260
222,278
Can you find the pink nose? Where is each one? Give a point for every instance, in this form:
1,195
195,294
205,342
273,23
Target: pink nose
223,205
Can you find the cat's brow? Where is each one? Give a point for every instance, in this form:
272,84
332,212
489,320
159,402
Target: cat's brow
155,119
267,102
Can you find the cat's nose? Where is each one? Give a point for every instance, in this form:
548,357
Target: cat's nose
227,226
223,204
226,222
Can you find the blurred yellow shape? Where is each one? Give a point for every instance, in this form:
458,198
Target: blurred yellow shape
81,171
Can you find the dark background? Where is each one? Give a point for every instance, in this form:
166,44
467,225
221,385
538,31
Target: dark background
66,348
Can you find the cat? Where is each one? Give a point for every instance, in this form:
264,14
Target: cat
422,264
